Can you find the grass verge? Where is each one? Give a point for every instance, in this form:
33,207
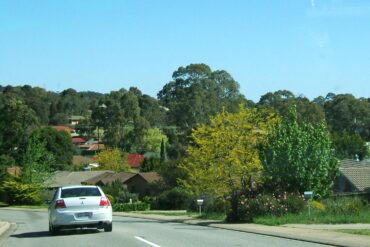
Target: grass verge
356,231
317,217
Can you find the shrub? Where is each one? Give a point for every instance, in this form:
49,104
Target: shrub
111,198
175,198
126,207
344,205
17,193
268,205
295,203
318,205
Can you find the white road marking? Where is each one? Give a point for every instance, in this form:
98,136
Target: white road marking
146,241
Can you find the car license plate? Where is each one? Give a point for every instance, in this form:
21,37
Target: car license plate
84,214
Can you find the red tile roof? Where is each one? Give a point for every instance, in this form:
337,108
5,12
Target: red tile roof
134,160
78,140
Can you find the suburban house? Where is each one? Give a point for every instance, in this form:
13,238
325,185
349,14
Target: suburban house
64,178
74,120
136,182
354,177
78,140
70,130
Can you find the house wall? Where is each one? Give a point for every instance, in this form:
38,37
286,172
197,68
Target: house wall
138,185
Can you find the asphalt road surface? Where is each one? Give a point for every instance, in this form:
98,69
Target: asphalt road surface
31,230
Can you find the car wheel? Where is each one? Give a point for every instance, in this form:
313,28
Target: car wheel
53,230
108,227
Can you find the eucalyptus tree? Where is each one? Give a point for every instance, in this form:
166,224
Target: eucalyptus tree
196,93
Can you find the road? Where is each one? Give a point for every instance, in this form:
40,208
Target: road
32,231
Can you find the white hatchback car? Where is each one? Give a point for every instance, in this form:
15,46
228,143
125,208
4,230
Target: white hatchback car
80,206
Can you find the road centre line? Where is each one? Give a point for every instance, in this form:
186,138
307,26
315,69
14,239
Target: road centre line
146,241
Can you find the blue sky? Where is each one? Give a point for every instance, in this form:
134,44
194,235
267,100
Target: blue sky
309,47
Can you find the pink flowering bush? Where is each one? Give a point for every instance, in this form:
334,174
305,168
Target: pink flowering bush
269,204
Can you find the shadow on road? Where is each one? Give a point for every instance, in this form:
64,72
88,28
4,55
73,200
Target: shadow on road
42,234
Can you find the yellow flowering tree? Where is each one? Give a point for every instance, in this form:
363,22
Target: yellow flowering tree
223,158
112,159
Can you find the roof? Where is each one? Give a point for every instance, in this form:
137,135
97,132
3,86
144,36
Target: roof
76,118
134,160
123,177
78,140
79,159
150,177
64,178
14,170
93,146
61,128
357,173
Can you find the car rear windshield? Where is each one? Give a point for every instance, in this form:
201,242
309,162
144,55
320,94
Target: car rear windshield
80,192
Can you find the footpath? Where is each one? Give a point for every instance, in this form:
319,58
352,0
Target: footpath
315,233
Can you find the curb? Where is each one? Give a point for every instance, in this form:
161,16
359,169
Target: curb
4,227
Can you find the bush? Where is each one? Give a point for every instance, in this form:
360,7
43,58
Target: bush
111,198
344,205
318,206
268,205
175,198
17,193
126,207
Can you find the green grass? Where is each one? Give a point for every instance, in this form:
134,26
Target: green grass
212,216
165,213
317,217
209,216
356,231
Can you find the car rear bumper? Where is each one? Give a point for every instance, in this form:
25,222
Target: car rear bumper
70,218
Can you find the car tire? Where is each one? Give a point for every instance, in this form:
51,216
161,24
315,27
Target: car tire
108,227
53,230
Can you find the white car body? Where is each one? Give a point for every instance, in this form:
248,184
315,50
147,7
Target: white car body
80,206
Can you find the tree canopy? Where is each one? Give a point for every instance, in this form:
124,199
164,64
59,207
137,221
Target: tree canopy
196,93
299,157
223,156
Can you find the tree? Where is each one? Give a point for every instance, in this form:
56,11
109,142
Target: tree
36,162
349,146
17,121
153,139
58,143
299,157
112,159
223,158
282,100
345,113
196,93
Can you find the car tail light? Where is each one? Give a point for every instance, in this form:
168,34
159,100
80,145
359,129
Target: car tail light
60,204
104,202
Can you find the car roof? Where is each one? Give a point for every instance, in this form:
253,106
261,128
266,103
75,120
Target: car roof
78,186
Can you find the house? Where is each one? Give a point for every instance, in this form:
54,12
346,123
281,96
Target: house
64,178
14,171
136,182
74,120
78,140
70,130
354,177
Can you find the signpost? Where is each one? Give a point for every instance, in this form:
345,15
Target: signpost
200,203
308,195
